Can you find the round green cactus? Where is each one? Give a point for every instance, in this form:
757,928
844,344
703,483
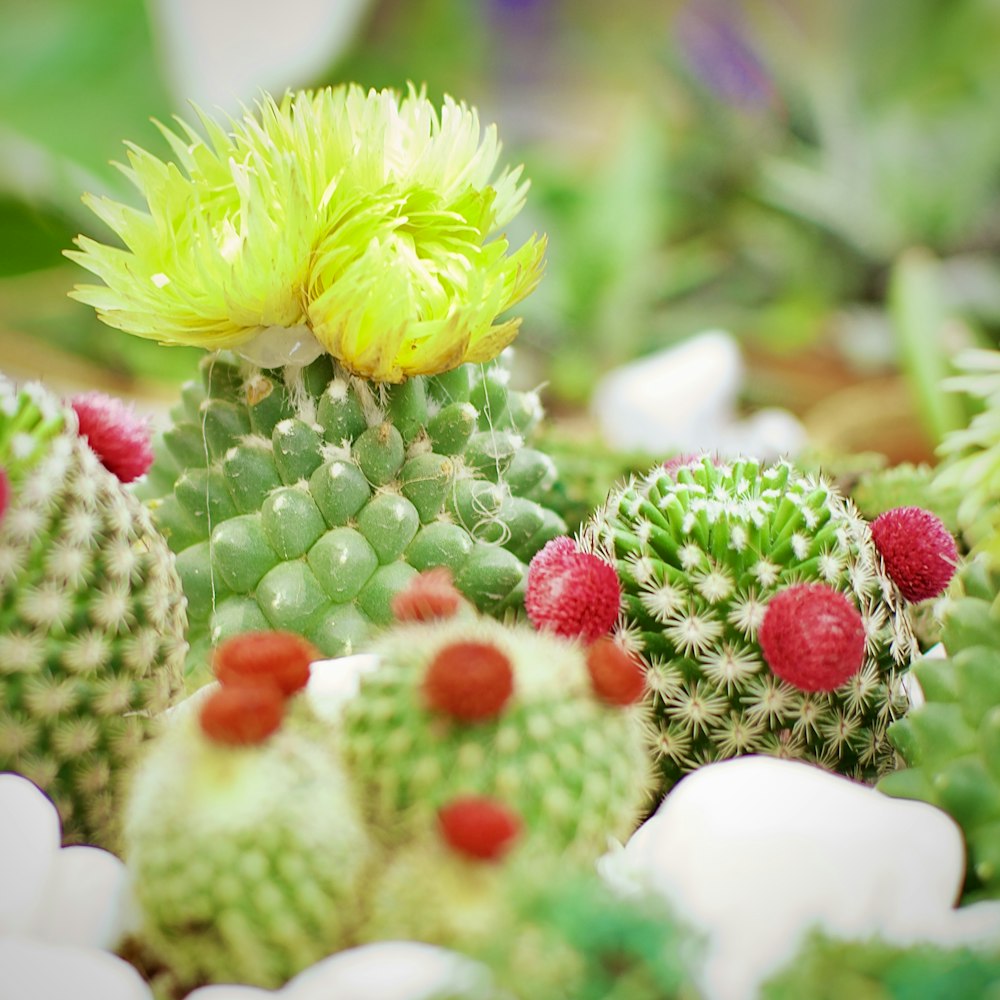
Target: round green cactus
305,498
467,706
701,550
951,743
244,844
91,616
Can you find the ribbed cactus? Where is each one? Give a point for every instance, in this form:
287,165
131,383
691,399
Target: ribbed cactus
952,742
702,550
305,498
91,610
243,841
462,705
348,247
830,969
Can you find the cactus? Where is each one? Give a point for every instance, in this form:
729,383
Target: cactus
544,926
242,837
304,499
828,969
701,551
951,743
345,246
905,485
462,705
91,610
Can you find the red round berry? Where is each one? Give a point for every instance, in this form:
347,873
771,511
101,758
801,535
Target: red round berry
429,595
242,715
4,492
469,680
116,435
812,637
281,658
618,677
572,593
918,551
479,827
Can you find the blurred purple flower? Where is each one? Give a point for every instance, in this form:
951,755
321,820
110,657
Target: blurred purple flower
712,38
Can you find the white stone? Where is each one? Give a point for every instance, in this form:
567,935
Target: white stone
32,970
334,682
388,970
677,399
755,851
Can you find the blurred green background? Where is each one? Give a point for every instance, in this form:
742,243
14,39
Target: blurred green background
820,179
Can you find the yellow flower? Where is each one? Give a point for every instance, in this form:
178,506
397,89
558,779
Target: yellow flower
364,220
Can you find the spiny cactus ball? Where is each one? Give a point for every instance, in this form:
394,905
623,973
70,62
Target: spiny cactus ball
702,551
244,842
464,706
303,499
91,610
951,743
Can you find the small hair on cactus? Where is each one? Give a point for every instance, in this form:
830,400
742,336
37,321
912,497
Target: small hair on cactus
279,658
243,715
116,435
918,551
429,596
469,680
479,827
813,637
673,465
618,677
4,491
572,593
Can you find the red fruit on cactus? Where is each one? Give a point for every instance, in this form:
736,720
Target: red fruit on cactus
243,715
116,435
812,637
279,658
618,677
479,827
918,551
430,595
469,680
572,593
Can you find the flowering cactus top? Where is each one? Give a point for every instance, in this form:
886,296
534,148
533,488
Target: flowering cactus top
357,223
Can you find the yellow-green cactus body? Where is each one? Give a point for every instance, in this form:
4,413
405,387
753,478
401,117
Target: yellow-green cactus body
700,552
246,860
574,768
91,617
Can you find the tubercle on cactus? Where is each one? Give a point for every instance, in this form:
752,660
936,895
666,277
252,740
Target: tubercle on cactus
813,637
119,438
470,681
479,827
918,551
279,658
572,593
429,596
242,715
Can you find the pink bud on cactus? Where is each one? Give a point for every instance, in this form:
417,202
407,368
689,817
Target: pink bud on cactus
479,827
4,492
117,436
813,637
572,593
918,551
